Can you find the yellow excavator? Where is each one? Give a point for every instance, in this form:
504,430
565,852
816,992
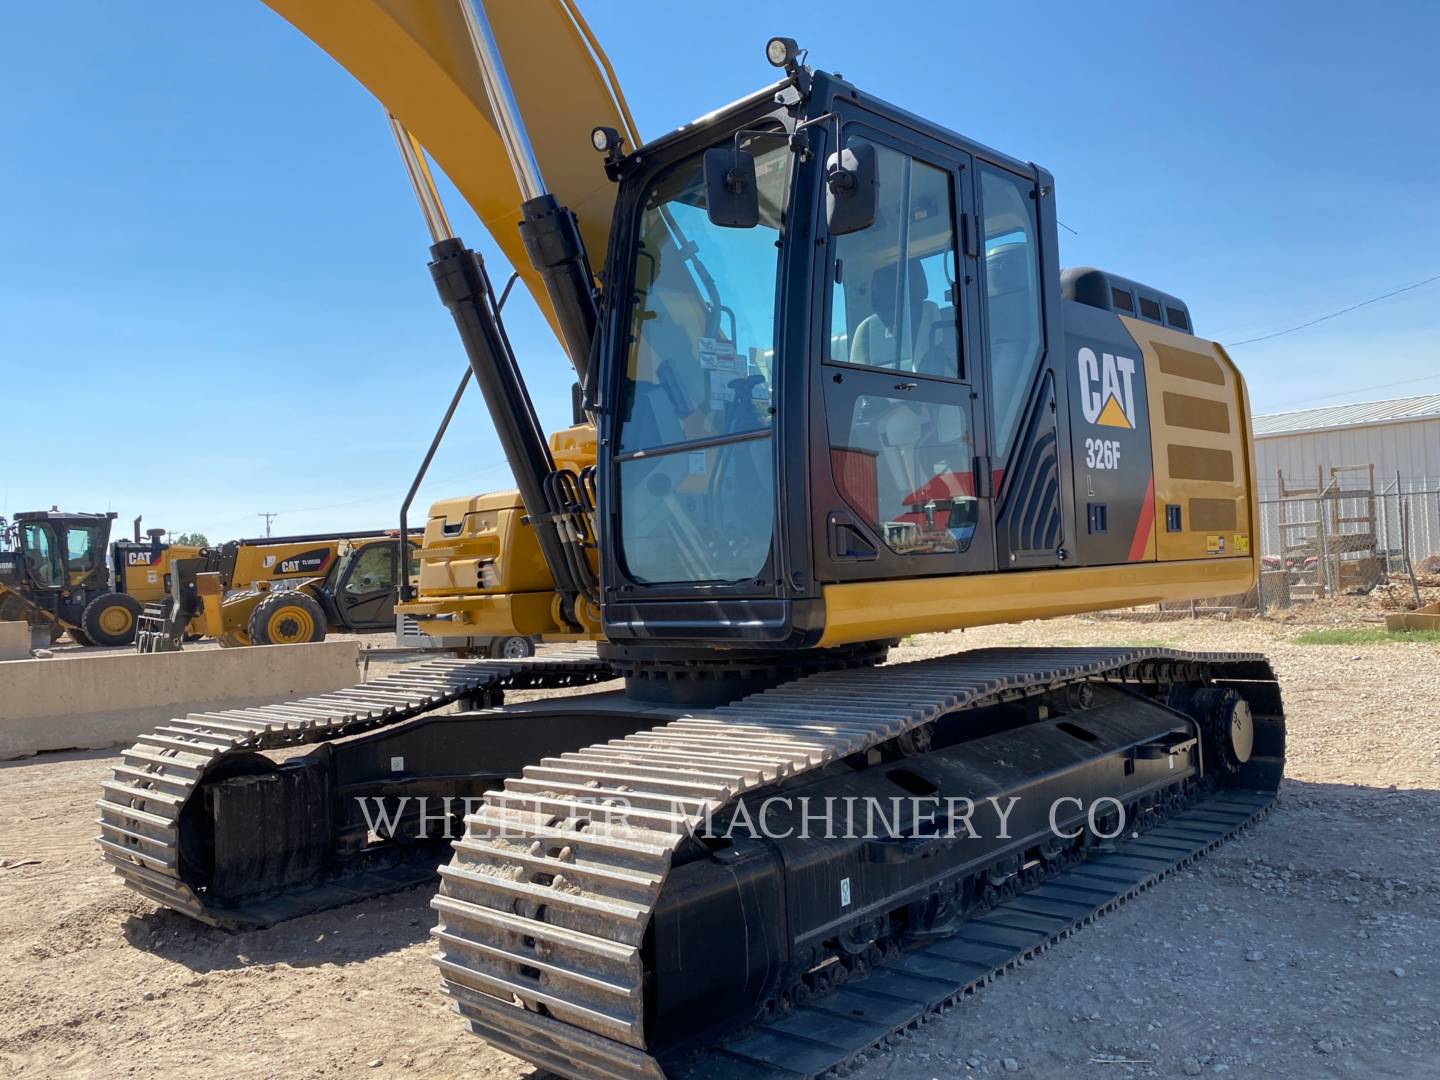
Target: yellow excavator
835,390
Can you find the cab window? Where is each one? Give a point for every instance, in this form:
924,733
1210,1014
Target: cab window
42,555
84,547
1012,296
905,467
374,569
892,302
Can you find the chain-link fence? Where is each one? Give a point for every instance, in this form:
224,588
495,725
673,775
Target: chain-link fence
1342,538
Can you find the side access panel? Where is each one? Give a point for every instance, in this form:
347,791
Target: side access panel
1110,435
1204,470
1030,526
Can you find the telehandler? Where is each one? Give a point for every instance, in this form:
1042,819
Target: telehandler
280,590
837,391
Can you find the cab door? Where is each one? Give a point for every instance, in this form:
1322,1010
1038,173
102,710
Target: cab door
1024,396
365,591
898,379
41,549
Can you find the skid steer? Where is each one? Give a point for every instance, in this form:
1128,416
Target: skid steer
838,391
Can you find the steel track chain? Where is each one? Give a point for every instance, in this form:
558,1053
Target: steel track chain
874,1011
544,906
142,801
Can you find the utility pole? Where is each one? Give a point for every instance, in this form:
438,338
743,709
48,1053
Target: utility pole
267,517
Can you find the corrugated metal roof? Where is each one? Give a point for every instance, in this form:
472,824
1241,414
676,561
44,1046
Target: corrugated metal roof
1341,416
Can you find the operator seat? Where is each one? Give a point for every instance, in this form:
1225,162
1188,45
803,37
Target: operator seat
877,342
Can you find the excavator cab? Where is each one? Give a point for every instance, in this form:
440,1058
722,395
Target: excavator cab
800,399
842,393
843,385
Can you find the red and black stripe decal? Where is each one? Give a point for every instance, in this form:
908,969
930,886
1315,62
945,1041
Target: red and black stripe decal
1141,540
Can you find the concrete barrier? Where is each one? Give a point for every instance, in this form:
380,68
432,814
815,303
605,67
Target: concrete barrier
14,641
87,702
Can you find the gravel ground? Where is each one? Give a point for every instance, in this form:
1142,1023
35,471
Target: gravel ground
1310,947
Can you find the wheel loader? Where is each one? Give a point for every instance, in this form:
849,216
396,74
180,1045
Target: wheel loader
54,575
839,391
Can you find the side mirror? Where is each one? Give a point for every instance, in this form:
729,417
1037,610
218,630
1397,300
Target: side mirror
852,182
732,198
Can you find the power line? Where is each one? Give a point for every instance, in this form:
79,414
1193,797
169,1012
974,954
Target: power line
1357,390
1335,314
375,496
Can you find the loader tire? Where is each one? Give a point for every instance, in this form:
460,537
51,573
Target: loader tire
287,618
110,619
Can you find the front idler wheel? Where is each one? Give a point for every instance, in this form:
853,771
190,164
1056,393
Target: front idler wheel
1225,718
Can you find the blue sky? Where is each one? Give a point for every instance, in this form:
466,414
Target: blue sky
213,295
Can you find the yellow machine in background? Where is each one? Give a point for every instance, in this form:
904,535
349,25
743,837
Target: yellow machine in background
277,591
272,588
54,576
142,568
481,571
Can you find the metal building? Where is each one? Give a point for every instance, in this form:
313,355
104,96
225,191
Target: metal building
1333,449
1399,437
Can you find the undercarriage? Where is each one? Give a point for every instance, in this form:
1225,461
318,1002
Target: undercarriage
661,890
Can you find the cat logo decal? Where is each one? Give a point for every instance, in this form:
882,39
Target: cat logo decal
1107,389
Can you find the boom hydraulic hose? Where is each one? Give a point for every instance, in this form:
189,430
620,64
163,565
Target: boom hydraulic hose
465,289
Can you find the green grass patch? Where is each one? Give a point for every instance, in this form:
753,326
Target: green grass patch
1365,635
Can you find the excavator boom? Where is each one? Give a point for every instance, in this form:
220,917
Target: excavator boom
416,57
